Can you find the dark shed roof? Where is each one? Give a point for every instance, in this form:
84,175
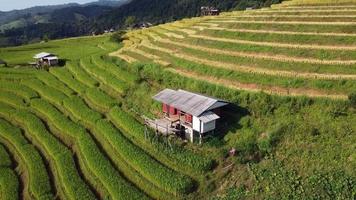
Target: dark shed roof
192,103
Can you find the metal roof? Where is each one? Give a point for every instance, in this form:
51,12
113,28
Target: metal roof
208,117
52,58
42,55
191,103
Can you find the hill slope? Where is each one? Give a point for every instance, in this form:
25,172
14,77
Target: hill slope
76,132
283,50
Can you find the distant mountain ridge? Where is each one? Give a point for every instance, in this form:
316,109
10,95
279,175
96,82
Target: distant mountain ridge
71,20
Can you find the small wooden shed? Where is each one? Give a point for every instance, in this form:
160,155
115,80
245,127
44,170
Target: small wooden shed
46,59
198,114
209,11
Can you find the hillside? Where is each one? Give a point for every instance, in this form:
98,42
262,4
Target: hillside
54,22
77,132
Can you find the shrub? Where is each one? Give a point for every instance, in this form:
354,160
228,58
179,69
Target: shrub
352,99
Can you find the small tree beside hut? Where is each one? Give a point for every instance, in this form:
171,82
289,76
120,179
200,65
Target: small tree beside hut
209,11
3,63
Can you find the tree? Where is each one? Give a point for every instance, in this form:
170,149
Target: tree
118,36
352,99
129,21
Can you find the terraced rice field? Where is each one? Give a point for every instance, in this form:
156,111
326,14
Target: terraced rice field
76,132
63,135
298,48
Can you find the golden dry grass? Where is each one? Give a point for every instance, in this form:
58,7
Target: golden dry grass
274,90
277,44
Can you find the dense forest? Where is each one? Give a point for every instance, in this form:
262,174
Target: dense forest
79,20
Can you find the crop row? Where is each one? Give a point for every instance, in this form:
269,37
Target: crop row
116,85
24,91
337,41
38,181
149,168
225,60
113,69
245,69
50,93
266,50
62,164
262,80
162,177
263,60
65,76
103,101
77,132
179,158
117,187
52,81
81,75
11,99
9,184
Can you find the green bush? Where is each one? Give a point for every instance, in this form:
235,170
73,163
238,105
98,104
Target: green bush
352,99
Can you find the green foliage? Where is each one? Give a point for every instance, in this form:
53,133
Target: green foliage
178,157
98,164
20,90
5,160
76,106
66,77
158,174
9,184
67,174
81,75
100,99
129,21
116,85
118,36
38,179
352,99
